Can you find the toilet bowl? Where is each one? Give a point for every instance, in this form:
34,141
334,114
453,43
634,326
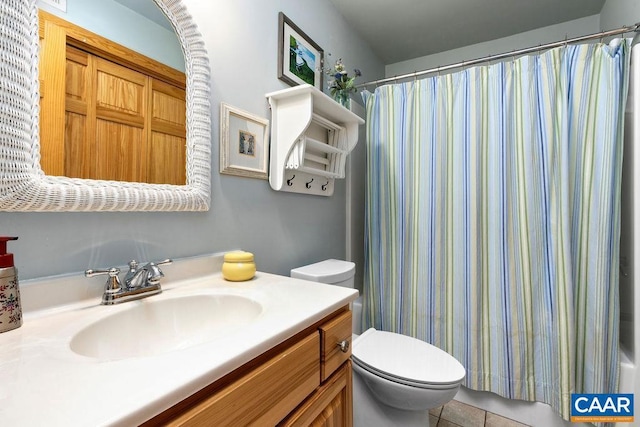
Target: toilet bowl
396,378
403,373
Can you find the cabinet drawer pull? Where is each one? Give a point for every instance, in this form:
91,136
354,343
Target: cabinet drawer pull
344,345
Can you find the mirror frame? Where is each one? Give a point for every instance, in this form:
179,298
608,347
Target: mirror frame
23,184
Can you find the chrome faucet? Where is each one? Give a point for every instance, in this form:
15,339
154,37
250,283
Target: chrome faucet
139,282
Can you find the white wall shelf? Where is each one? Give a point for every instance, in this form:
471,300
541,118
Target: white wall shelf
311,136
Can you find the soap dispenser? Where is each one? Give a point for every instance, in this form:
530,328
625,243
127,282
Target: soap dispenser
10,309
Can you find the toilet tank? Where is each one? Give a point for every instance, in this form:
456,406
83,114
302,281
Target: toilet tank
330,271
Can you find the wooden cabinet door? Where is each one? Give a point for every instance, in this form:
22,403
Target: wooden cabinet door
329,406
120,115
168,136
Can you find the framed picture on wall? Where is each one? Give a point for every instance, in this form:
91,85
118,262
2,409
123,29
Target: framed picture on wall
300,59
244,143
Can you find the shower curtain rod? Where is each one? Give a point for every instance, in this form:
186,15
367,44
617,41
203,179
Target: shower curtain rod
629,29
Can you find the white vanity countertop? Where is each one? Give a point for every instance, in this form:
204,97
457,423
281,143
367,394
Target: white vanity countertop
43,382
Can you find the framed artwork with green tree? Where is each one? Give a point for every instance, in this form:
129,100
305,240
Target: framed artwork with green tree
300,59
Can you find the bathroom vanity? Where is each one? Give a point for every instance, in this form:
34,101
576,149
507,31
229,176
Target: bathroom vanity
304,381
269,351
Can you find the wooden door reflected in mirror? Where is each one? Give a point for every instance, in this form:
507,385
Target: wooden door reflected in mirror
108,112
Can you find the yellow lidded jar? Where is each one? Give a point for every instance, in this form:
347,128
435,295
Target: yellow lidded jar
238,266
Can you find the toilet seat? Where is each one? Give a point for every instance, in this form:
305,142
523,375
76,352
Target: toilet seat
406,360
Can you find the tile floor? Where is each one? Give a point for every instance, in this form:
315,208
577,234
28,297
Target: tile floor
457,414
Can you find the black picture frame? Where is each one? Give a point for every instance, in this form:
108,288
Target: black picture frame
300,59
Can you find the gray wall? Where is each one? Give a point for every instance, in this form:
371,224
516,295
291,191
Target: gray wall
283,230
356,196
617,13
614,14
552,33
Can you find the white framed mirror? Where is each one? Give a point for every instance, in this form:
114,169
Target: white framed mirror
23,184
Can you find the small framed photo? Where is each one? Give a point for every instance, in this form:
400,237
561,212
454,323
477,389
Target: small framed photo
300,59
244,143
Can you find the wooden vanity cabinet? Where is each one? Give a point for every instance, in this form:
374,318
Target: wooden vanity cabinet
330,405
304,381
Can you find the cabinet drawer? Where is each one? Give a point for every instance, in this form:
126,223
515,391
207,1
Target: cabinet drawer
263,396
332,334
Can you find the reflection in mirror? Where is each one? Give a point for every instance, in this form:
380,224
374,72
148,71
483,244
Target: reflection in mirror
109,111
117,114
23,184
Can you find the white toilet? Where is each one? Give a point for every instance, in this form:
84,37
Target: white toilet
397,378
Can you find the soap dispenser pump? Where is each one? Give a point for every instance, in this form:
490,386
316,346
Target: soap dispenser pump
10,309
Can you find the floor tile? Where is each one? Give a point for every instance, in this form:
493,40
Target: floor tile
433,420
436,411
445,423
462,414
494,420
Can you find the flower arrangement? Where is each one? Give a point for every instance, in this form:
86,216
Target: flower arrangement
342,84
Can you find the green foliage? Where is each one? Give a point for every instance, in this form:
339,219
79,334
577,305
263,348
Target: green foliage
342,82
304,71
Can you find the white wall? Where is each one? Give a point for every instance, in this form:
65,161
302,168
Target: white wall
283,230
575,28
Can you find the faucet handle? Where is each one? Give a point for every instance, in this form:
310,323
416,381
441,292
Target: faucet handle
113,281
133,264
154,272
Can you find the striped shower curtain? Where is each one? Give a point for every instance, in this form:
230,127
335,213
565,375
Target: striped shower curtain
492,219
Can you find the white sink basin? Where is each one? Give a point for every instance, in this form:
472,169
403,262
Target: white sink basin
153,327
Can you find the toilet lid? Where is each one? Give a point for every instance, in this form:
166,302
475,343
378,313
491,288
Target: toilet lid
406,359
327,271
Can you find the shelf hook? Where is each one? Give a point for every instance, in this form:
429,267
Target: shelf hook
308,184
324,186
290,181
